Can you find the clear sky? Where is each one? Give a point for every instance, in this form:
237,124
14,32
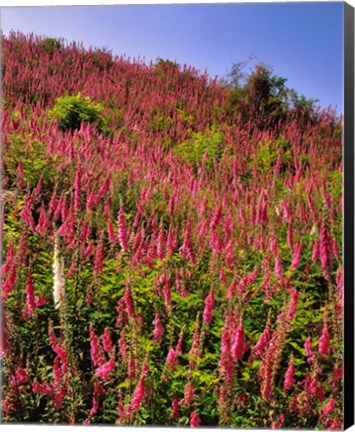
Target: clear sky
303,42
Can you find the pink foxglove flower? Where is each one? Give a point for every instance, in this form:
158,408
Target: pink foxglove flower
105,370
120,406
97,356
296,256
278,423
315,253
20,175
231,290
138,394
111,231
26,212
171,358
178,349
53,202
20,377
293,304
329,407
89,249
123,347
309,352
188,394
174,409
30,294
43,222
195,420
209,303
158,329
42,389
38,189
226,359
216,218
325,250
122,231
95,407
290,236
289,379
107,341
161,243
129,301
238,345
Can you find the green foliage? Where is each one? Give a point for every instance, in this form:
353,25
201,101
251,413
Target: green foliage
71,111
267,155
202,146
185,117
51,45
164,65
265,94
102,59
160,121
36,163
221,163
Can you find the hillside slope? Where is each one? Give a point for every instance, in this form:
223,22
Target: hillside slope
179,265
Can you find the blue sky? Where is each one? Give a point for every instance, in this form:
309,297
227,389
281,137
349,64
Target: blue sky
301,41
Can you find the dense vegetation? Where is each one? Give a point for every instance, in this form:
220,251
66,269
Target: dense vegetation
172,244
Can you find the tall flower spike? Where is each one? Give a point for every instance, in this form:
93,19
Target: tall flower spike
329,407
97,356
296,256
129,301
105,370
289,379
138,394
122,231
195,419
20,174
209,303
59,278
99,257
325,249
77,203
171,358
323,343
158,329
107,340
30,294
174,409
238,345
263,340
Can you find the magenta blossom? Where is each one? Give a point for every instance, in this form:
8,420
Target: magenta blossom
209,302
105,370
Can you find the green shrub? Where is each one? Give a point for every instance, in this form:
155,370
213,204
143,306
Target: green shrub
71,111
51,45
202,146
160,121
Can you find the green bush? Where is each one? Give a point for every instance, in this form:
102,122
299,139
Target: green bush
71,111
196,149
51,45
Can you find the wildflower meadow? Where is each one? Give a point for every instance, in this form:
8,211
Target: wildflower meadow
172,245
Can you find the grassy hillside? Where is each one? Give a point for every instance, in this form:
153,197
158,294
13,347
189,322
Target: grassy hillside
172,249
